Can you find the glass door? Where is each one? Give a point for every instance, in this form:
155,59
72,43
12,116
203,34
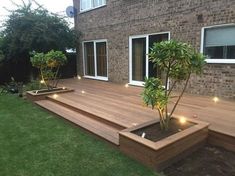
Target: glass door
140,66
89,59
138,59
101,59
95,60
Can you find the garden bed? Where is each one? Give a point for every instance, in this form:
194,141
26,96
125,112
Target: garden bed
162,150
36,95
209,160
154,133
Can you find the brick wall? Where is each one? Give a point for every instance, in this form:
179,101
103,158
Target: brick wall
120,19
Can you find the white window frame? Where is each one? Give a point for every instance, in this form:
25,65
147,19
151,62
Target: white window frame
95,60
92,6
146,36
215,61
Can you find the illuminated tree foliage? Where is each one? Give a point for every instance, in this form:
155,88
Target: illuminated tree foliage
178,61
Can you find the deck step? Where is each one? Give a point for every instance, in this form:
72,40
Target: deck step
110,133
95,111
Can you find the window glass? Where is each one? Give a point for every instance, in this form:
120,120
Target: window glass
89,58
101,2
101,56
153,71
219,42
231,52
86,4
138,59
90,4
95,3
214,52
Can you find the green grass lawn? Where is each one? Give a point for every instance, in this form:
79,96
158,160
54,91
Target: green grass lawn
34,142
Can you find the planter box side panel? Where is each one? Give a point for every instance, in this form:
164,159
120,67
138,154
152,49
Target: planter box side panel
162,158
137,151
180,149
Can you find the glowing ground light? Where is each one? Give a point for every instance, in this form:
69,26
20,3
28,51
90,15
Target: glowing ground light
126,85
79,77
42,81
63,88
83,92
55,96
215,99
183,120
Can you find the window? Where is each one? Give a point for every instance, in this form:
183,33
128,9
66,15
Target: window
95,59
219,44
91,4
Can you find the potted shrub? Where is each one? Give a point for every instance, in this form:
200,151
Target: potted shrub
178,61
48,65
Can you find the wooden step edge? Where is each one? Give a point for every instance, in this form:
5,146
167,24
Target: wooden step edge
109,122
104,132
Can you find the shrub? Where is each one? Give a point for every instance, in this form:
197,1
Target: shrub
178,61
49,65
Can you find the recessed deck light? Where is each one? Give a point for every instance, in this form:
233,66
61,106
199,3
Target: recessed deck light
55,96
215,99
79,77
182,120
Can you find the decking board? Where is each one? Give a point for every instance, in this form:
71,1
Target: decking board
124,106
220,115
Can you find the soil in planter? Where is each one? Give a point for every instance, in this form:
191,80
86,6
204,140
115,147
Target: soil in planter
154,132
207,161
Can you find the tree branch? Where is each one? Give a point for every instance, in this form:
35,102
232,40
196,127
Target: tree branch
177,102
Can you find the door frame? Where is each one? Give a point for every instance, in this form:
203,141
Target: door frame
95,60
146,36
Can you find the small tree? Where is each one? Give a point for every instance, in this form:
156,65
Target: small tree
178,61
49,65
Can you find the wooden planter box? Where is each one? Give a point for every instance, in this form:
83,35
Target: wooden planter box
163,153
36,95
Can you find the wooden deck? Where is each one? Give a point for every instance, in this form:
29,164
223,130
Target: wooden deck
113,107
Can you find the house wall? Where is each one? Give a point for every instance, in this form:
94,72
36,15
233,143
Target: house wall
120,19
